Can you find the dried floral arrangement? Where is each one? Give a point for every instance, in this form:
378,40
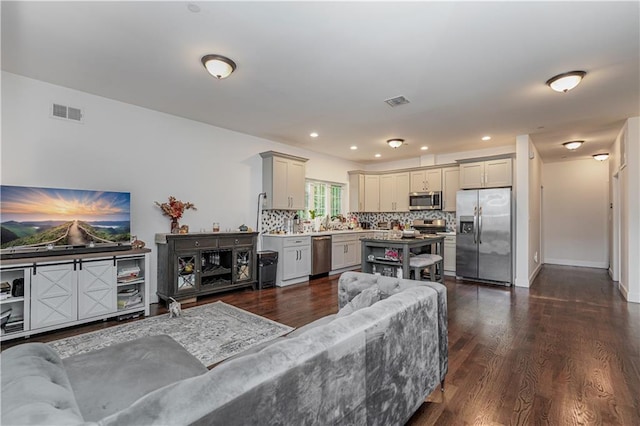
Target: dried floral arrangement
175,208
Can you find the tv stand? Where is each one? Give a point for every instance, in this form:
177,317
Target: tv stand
72,289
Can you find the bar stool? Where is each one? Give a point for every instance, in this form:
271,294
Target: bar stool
438,263
418,263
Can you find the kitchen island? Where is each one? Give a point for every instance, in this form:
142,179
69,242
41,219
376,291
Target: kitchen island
378,254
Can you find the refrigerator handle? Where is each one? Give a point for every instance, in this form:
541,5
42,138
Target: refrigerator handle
480,225
475,225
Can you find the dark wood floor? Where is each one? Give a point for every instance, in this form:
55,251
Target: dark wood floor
567,351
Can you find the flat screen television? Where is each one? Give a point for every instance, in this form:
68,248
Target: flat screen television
50,220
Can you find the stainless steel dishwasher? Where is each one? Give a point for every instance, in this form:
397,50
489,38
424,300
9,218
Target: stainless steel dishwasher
321,254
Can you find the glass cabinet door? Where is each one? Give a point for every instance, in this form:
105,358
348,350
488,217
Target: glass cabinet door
186,273
243,264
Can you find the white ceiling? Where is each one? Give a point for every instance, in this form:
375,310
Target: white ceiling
468,69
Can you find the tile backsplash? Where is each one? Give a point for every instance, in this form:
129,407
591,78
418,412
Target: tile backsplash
274,220
404,217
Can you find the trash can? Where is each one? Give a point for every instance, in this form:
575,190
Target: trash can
267,267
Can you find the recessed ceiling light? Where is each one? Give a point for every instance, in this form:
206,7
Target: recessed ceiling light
353,148
193,8
314,134
486,138
424,148
377,155
566,81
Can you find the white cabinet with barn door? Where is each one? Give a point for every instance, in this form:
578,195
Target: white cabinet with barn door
426,180
283,180
486,174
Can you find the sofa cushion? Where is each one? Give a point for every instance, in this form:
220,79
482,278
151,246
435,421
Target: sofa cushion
110,379
366,298
35,388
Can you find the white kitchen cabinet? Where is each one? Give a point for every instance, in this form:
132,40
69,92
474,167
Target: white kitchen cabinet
294,258
283,180
394,192
426,180
371,193
486,174
450,255
450,186
356,192
344,251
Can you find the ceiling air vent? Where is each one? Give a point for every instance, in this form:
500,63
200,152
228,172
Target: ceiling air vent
67,113
398,100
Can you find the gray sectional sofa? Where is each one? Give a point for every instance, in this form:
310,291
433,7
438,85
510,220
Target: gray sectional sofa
372,363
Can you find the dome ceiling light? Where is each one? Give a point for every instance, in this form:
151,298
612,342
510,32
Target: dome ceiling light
567,81
395,143
218,66
601,157
573,145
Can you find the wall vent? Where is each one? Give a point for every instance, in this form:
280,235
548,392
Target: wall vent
66,112
398,100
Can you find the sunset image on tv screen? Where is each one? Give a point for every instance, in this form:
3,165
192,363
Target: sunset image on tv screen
36,217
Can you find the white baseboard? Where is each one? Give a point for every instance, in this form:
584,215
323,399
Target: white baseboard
520,282
629,297
535,273
582,263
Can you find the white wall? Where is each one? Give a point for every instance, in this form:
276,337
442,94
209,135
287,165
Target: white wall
535,214
626,221
522,202
121,147
575,213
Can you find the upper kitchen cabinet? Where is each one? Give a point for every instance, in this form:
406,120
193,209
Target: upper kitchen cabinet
486,174
426,180
450,185
283,180
394,192
371,193
356,192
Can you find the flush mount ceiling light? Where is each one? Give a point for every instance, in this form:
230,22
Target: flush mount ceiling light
353,148
601,157
218,66
486,138
567,81
424,148
395,143
314,134
572,145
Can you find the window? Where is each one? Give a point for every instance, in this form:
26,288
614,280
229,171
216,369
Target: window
323,198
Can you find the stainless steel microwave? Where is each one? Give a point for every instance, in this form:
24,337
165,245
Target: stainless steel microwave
425,200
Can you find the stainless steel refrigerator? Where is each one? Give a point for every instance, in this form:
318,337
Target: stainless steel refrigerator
484,235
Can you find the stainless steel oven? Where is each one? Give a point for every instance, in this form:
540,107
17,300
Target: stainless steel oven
425,200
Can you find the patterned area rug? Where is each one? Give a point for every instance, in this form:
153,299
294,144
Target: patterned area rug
211,332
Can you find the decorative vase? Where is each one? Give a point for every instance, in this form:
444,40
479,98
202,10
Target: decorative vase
175,226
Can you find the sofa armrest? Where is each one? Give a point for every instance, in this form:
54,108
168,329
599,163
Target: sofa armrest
36,389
